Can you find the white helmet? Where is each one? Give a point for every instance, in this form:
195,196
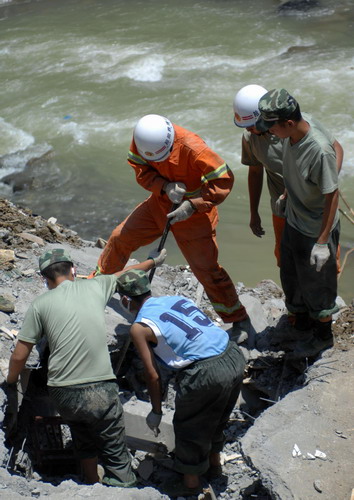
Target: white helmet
153,136
246,105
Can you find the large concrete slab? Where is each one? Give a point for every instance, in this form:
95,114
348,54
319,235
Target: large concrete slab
257,317
316,417
255,312
135,413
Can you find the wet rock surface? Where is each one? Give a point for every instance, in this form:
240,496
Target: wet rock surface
283,402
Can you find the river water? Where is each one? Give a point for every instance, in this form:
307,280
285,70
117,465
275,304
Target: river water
76,75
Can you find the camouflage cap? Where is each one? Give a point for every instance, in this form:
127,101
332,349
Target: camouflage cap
133,283
52,257
277,104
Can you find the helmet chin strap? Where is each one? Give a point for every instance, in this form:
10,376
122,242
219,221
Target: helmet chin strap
165,156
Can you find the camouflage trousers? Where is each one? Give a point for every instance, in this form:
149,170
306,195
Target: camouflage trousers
94,414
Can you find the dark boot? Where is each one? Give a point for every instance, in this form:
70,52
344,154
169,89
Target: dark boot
303,322
321,340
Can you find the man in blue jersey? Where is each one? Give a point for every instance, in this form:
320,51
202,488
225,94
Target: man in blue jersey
209,371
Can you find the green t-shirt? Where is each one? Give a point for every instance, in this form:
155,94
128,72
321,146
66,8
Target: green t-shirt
310,172
266,151
73,319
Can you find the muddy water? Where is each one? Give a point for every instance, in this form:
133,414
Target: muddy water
76,76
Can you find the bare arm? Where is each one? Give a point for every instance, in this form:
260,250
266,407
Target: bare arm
214,190
18,360
142,266
141,336
331,205
255,185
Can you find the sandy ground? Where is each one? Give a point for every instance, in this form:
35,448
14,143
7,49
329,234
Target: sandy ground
283,403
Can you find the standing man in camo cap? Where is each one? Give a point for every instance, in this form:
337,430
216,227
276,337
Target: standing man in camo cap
71,315
209,372
310,240
262,152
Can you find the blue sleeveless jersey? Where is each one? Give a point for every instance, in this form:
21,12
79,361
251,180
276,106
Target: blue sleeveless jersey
184,333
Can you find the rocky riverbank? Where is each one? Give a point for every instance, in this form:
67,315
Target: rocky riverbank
283,403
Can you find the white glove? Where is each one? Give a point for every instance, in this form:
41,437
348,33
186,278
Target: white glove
319,255
280,205
153,421
158,257
184,211
175,191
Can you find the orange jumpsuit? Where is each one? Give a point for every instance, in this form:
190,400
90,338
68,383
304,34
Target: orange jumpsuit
278,227
208,181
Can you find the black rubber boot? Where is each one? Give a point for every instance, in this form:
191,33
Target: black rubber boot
303,321
321,340
323,330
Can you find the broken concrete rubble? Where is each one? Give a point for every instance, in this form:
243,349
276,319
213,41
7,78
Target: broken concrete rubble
282,402
310,417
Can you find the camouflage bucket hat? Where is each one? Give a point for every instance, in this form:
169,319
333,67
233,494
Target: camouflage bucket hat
277,104
133,283
52,257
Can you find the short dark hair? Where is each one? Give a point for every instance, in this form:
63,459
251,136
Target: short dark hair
140,298
57,269
296,115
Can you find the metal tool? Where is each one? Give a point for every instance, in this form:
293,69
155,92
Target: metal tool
163,239
151,275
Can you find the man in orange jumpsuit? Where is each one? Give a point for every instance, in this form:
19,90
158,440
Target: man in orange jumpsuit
178,167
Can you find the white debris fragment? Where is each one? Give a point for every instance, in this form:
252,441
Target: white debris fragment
320,454
317,485
28,272
7,332
296,451
233,456
340,434
310,456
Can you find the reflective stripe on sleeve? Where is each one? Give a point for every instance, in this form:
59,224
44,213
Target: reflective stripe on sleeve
216,174
136,159
223,309
192,194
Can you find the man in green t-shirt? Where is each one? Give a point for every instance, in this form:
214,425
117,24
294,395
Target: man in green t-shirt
81,381
309,245
263,152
